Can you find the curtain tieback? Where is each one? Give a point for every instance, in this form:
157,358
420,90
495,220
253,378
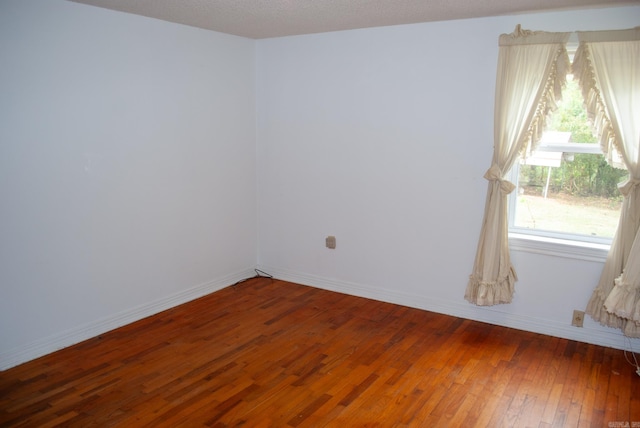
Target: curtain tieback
495,174
627,186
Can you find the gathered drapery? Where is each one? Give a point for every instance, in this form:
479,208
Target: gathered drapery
607,65
531,72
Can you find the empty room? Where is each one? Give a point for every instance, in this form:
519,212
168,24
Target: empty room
319,213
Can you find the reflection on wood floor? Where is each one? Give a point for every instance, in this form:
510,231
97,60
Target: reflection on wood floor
268,353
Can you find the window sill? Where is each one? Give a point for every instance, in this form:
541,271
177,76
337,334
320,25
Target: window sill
558,247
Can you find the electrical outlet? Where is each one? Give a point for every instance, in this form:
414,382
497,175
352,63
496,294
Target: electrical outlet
578,318
330,242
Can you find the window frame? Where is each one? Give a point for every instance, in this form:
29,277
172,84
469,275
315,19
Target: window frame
568,245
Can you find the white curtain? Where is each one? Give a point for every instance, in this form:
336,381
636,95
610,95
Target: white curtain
531,72
608,67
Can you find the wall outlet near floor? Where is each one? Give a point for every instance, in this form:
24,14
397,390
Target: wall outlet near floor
330,242
578,318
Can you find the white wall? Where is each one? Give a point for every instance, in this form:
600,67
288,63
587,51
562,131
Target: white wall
127,169
381,137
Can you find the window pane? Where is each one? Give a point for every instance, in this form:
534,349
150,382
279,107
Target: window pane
568,193
582,196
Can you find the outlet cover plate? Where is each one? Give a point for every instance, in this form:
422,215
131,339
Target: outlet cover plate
578,318
331,242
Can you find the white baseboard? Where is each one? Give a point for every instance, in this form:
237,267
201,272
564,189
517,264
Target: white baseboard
592,332
76,335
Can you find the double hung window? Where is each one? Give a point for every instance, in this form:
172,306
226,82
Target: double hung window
565,189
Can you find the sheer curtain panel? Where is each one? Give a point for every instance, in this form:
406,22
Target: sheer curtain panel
531,72
608,67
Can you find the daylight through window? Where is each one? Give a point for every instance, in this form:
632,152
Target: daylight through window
566,189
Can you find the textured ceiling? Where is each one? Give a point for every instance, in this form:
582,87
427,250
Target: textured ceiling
259,19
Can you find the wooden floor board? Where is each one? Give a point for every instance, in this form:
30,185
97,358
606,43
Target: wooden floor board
268,353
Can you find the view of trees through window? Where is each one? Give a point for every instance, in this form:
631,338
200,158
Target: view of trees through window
581,189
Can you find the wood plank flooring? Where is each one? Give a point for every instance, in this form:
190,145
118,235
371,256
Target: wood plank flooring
267,353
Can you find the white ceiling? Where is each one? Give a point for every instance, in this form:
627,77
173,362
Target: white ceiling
259,19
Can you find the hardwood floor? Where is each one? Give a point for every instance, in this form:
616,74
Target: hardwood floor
268,353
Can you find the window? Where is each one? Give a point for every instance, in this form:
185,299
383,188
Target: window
565,189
